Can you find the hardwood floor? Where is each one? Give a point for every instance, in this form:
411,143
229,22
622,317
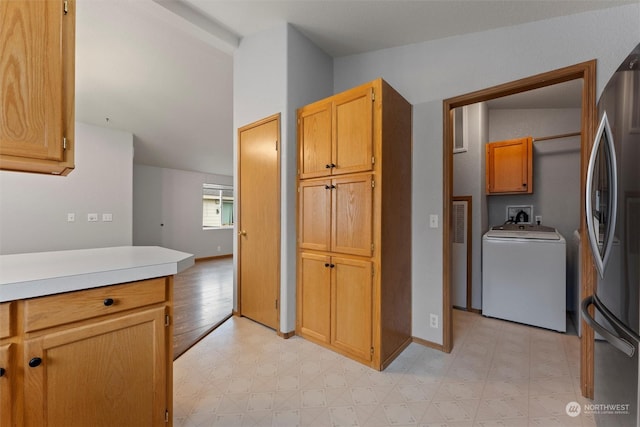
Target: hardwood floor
203,299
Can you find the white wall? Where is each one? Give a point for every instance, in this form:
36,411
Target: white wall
426,73
34,207
277,71
556,165
167,211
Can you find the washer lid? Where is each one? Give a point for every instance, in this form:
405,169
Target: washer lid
523,231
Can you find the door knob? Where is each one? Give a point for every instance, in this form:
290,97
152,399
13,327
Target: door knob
242,233
36,361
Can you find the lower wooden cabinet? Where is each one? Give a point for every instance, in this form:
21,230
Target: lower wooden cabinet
7,375
111,373
335,303
110,365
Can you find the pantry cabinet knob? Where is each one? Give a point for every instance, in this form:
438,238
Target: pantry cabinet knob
2,372
328,166
108,302
35,362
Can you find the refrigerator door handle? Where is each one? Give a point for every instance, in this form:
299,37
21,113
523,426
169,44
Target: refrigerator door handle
620,343
601,257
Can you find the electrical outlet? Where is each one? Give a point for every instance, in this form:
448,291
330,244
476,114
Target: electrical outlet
433,221
92,217
71,217
433,320
538,219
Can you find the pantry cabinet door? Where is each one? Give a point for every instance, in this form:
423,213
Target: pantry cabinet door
314,139
353,131
351,306
314,299
314,223
352,215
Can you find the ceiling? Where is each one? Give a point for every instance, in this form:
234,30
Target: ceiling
163,69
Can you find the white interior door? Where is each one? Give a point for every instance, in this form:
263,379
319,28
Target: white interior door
460,252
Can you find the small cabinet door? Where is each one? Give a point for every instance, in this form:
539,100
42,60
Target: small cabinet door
314,133
110,373
37,69
7,375
352,215
351,306
314,224
509,166
314,298
353,131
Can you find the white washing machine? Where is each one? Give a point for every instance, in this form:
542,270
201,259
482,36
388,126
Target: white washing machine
524,275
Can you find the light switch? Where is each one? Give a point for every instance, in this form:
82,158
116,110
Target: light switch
433,221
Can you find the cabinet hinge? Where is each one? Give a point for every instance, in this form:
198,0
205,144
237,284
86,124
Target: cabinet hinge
276,303
373,184
64,142
373,160
167,320
65,7
166,415
372,269
372,351
372,247
276,145
373,96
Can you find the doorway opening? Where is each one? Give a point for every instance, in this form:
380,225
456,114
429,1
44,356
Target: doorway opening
584,71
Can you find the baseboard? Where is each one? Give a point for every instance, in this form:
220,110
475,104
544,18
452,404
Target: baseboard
429,344
235,313
209,258
475,310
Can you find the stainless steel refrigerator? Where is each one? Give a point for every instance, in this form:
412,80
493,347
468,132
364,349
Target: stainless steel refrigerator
613,215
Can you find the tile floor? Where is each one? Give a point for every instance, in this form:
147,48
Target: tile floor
499,374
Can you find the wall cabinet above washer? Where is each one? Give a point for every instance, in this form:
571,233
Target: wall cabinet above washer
509,166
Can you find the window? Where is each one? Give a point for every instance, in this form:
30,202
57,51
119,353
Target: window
217,206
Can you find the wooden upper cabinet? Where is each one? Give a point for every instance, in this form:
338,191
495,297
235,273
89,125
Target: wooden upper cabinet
509,166
37,41
336,135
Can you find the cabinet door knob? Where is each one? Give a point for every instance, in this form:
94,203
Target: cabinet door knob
108,302
332,265
328,166
2,372
333,165
35,362
327,187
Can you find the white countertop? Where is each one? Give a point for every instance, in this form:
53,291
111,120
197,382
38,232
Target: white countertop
44,273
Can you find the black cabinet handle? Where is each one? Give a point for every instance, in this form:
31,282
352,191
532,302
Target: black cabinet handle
2,372
331,265
327,187
326,264
108,302
333,165
328,166
35,362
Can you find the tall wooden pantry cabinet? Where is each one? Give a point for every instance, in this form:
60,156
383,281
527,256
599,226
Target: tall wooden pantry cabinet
354,223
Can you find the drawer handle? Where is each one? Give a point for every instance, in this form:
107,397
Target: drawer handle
108,302
2,372
35,362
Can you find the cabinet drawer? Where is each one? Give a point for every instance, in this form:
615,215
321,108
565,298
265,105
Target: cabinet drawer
44,312
5,319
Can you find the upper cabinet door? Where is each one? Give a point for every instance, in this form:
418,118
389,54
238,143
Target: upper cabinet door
352,215
353,131
314,133
36,84
509,166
